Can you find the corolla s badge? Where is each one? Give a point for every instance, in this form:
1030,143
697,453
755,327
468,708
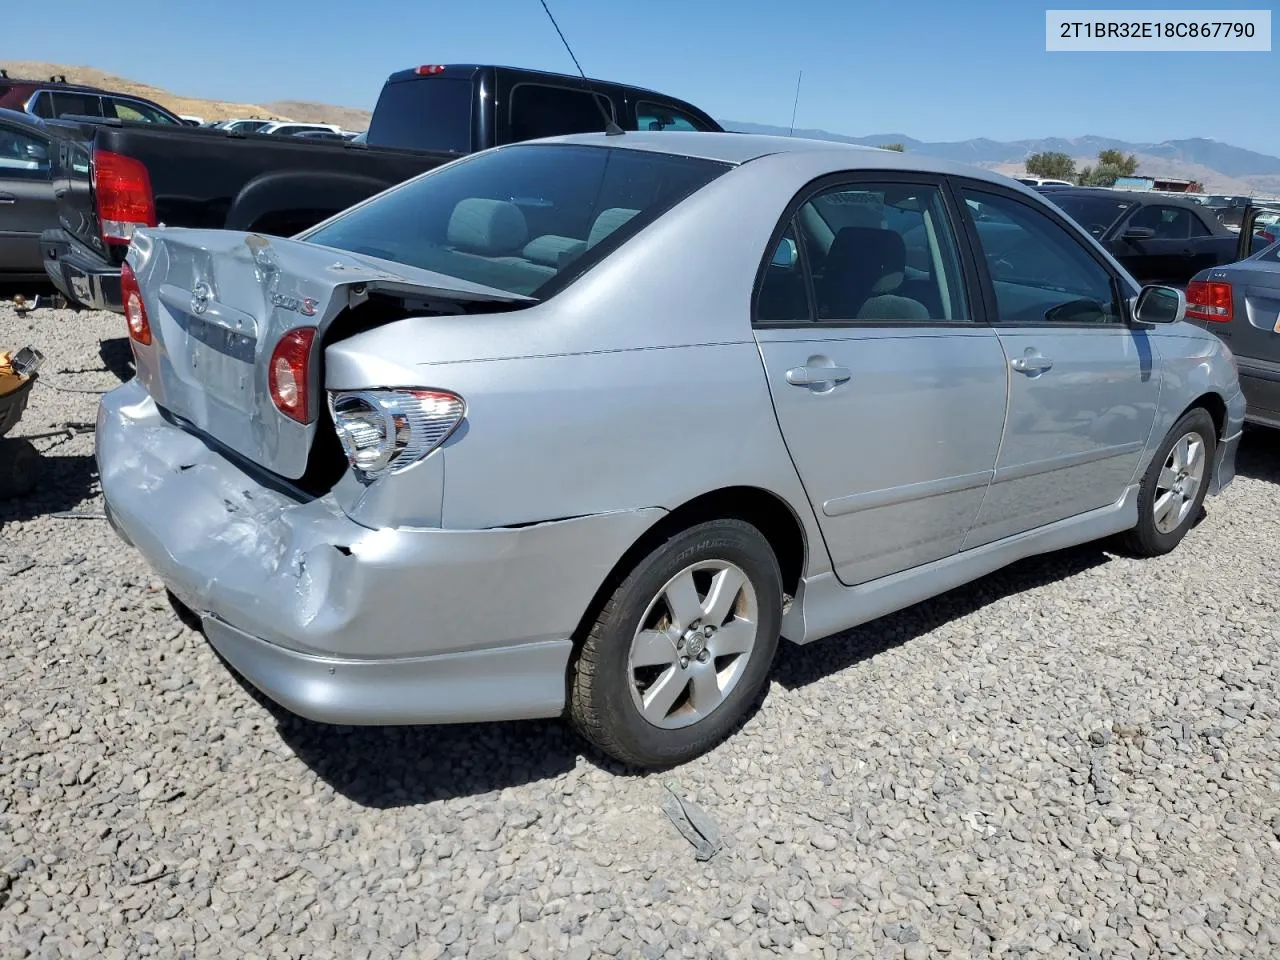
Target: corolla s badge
200,298
303,305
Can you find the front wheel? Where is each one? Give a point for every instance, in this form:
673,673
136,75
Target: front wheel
1174,486
682,649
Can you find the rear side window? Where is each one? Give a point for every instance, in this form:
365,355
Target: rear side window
538,110
523,219
430,113
67,104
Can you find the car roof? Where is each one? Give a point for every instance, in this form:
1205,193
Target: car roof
739,148
21,118
1133,196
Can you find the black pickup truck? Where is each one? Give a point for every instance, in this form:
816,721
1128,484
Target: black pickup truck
124,175
1158,238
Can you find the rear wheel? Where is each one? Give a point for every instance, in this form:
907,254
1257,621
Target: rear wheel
19,467
682,649
1174,486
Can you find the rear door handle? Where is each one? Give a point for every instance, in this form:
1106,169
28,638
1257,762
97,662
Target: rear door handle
816,376
1031,362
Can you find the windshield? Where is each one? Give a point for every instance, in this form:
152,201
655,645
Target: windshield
525,219
1095,214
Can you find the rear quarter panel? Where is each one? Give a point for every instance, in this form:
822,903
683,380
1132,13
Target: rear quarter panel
1193,363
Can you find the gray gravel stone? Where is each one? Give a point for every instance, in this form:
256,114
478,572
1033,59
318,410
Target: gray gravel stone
1071,757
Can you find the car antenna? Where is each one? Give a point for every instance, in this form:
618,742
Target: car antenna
794,104
610,127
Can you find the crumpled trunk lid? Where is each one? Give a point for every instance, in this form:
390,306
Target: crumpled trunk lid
219,302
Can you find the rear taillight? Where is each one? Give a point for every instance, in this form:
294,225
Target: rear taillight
122,188
1209,300
135,311
386,431
287,374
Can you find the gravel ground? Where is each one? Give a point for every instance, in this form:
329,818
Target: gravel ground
1074,757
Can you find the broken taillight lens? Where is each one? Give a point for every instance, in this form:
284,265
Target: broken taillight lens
135,311
386,431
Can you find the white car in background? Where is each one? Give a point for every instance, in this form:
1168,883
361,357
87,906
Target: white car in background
288,128
1043,182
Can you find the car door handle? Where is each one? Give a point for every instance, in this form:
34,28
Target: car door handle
8,198
1031,363
814,376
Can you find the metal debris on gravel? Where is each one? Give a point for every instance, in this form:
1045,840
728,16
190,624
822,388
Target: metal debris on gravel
924,786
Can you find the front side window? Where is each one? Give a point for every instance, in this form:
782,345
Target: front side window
538,110
22,156
882,252
654,116
523,218
133,111
1040,272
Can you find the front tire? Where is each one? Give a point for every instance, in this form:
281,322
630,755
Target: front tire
682,649
1174,486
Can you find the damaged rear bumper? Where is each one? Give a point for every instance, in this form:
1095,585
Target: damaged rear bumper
341,623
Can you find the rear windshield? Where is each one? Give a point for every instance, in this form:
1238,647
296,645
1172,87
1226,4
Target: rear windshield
524,219
430,113
1095,214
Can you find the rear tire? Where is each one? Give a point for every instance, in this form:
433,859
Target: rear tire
1174,486
19,468
682,649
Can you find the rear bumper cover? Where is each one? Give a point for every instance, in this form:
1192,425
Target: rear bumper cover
80,275
341,623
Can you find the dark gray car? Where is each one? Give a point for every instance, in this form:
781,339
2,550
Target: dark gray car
1241,304
26,195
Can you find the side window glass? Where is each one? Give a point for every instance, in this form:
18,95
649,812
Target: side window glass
653,116
883,252
1198,227
1041,273
543,111
784,293
22,156
1169,223
132,111
77,104
43,105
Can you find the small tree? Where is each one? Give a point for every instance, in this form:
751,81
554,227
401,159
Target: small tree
1051,166
1112,165
893,146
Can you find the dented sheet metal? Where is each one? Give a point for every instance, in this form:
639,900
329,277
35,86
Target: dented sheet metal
300,573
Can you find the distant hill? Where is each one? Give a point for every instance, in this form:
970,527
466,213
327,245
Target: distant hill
349,118
1221,167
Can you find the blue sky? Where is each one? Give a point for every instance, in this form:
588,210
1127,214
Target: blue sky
931,69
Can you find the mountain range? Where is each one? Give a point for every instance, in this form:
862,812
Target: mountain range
1221,167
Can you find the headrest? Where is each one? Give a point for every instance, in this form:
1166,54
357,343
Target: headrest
491,227
877,258
552,250
608,221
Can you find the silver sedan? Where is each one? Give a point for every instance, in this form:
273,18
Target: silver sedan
586,425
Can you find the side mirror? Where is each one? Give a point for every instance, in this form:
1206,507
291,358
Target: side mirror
1139,233
786,255
1158,304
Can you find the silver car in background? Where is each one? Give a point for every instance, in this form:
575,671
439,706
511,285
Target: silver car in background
585,425
1240,302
